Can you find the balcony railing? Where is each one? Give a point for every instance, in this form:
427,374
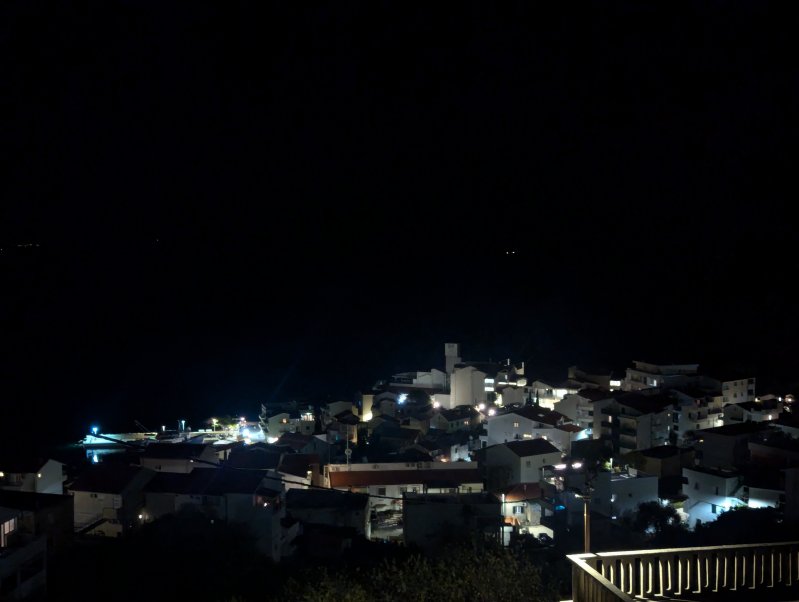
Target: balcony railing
687,573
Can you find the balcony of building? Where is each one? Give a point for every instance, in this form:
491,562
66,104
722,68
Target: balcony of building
762,572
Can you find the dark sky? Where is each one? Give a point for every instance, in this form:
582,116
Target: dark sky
245,201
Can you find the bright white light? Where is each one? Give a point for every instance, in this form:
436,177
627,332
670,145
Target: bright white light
481,407
39,475
402,398
436,405
271,439
245,433
242,419
163,428
367,417
95,459
577,465
141,516
560,467
491,412
95,429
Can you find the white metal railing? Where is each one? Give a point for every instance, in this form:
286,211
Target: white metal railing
684,572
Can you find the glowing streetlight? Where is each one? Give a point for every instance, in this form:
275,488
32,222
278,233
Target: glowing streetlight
95,430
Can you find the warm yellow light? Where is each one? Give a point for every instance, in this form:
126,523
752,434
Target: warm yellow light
2,474
39,475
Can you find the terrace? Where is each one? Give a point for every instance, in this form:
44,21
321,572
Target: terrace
761,571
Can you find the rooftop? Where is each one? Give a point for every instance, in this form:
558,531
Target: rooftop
107,478
531,447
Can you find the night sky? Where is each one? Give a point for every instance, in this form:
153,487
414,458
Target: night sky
240,202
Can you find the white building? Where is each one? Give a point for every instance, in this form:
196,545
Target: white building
547,394
518,462
108,498
694,410
710,492
738,390
23,560
646,375
579,407
633,421
470,385
521,423
752,411
38,476
618,493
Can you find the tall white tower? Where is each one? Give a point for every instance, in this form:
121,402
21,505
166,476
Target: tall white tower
451,356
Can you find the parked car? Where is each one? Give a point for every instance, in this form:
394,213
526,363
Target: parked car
545,539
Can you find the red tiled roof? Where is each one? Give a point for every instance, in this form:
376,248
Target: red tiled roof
364,478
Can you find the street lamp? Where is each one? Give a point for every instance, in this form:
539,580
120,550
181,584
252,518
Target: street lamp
586,520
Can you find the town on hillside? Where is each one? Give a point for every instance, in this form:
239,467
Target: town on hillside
491,453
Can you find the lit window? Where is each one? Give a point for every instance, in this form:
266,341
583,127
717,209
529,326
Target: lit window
515,425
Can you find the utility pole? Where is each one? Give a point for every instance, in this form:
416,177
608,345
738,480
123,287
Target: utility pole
586,497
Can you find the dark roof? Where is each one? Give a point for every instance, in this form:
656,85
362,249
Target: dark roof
759,406
531,447
107,478
239,481
305,499
735,430
569,428
594,394
458,413
662,451
389,431
490,368
540,414
297,464
212,481
694,392
173,451
21,464
295,441
646,404
347,418
30,501
254,457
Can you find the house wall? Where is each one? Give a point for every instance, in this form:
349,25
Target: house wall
723,451
90,506
760,497
467,387
52,479
709,495
615,495
738,391
502,429
522,513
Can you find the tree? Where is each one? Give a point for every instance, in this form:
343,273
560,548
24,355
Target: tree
662,525
484,574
